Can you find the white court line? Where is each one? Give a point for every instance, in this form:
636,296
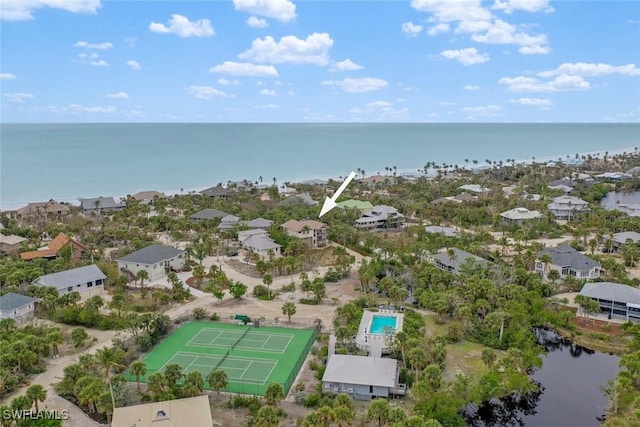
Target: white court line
287,345
216,337
245,370
198,334
228,358
275,362
265,343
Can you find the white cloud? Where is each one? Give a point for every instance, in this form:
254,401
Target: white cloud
206,92
99,46
591,70
471,87
7,76
534,102
281,10
438,28
561,83
255,22
313,50
468,56
244,69
534,50
118,95
508,6
268,92
99,63
20,97
226,82
266,107
346,65
366,84
501,32
21,10
90,55
411,29
181,26
453,11
133,64
381,110
483,110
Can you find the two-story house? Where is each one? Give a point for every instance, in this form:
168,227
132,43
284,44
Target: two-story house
381,217
565,207
568,262
314,233
157,260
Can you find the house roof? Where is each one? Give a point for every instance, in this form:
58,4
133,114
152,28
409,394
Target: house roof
208,214
148,195
64,279
459,258
564,182
245,234
188,412
474,188
217,191
299,199
622,237
521,213
104,202
297,226
565,256
12,239
379,213
438,229
152,254
260,243
612,291
361,370
52,249
355,204
259,223
12,301
465,197
37,207
574,201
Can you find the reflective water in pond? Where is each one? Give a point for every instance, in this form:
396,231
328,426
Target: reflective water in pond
569,395
613,198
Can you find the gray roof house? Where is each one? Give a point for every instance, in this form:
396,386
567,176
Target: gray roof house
361,377
438,229
474,188
206,214
17,307
217,192
520,215
245,234
88,280
455,262
11,243
568,262
260,245
100,204
381,216
156,259
615,298
299,199
564,207
621,238
259,223
228,222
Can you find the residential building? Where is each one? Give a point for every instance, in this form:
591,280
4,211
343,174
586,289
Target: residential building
615,299
438,229
187,412
157,260
262,246
245,234
98,205
228,222
381,217
631,209
373,180
520,215
54,247
362,377
458,260
17,307
259,223
475,188
43,211
614,176
148,197
362,206
564,207
622,238
88,281
10,244
458,198
568,262
217,192
299,199
207,214
314,233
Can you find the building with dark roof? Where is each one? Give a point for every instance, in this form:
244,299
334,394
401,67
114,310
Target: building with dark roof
615,299
217,192
17,307
88,281
568,262
207,214
100,204
157,260
624,237
458,260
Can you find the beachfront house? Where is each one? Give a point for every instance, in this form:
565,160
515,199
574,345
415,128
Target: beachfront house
620,239
261,246
565,207
519,216
17,307
148,197
616,299
10,244
362,377
568,262
207,214
157,260
88,281
187,412
41,211
456,261
53,248
98,205
312,233
217,193
381,217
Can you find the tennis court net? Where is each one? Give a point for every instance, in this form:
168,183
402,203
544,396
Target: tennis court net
224,357
244,334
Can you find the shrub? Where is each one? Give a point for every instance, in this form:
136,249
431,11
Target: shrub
308,301
260,290
214,317
288,288
320,372
313,401
199,313
332,276
454,332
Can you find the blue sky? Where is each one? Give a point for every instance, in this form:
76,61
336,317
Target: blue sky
327,61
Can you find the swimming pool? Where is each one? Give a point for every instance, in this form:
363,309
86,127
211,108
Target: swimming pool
379,323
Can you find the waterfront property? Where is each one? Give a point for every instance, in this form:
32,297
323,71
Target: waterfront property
41,211
187,412
568,262
520,215
362,377
96,205
52,250
157,260
11,244
458,260
313,233
631,209
624,237
88,281
376,328
615,299
564,207
148,197
17,307
381,217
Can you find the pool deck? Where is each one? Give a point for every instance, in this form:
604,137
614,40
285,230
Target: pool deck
364,340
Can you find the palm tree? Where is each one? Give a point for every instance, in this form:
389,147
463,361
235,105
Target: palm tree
273,394
267,417
218,380
142,275
55,338
193,384
108,358
379,411
139,369
36,393
289,309
343,415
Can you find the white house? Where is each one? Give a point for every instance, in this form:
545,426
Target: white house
17,307
520,215
157,260
245,234
88,281
262,246
474,188
631,209
564,207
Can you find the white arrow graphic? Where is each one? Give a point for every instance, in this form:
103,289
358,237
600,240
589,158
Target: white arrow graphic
330,203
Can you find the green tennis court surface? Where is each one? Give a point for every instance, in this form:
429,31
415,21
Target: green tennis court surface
251,357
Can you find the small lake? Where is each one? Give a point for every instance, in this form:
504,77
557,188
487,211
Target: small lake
570,394
614,198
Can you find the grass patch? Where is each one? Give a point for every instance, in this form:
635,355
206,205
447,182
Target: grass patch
465,357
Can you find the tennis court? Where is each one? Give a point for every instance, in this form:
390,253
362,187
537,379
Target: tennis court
251,357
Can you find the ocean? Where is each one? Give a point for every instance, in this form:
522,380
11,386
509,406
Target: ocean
66,161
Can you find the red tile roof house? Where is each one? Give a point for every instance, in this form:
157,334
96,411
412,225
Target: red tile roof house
314,233
53,248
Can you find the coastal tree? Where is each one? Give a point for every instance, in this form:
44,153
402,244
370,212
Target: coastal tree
138,369
288,309
273,394
218,380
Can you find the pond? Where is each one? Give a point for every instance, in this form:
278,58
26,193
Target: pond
613,198
570,390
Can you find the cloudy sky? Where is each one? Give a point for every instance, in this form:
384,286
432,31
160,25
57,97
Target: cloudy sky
308,61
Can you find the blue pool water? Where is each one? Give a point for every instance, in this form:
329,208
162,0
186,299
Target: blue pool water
379,323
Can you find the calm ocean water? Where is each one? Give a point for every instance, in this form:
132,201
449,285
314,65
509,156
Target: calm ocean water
66,161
